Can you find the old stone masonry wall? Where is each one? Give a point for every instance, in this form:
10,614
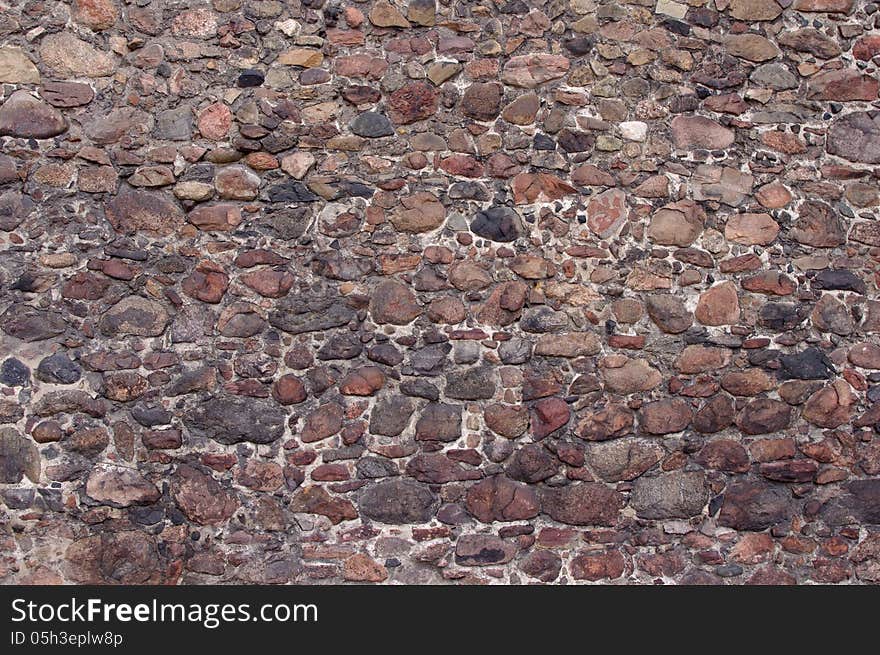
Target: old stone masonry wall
439,292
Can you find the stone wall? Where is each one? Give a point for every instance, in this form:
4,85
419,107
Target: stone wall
502,291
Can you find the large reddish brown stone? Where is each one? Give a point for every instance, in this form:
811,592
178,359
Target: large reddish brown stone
509,421
595,566
548,415
692,132
500,499
664,416
201,497
719,305
317,500
150,212
419,212
607,212
413,102
830,406
530,71
395,303
538,187
764,416
23,115
677,224
585,503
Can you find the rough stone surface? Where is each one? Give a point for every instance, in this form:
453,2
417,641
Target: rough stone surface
406,291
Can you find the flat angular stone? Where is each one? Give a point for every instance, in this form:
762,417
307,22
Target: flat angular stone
302,314
530,71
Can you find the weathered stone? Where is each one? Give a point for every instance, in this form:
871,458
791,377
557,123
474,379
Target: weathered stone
144,211
200,496
810,40
471,384
598,566
819,226
607,212
419,212
29,324
612,422
568,344
664,416
19,457
120,487
482,101
384,14
303,314
483,550
623,459
413,102
690,132
391,416
752,47
719,305
509,421
230,420
22,115
702,359
393,302
678,494
497,223
751,229
126,557
500,499
322,423
764,416
844,85
724,455
760,10
530,71
543,565
58,369
16,67
97,15
439,422
135,315
523,110
831,406
669,313
585,503
316,500
677,224
754,506
372,125
398,501
67,56
634,376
